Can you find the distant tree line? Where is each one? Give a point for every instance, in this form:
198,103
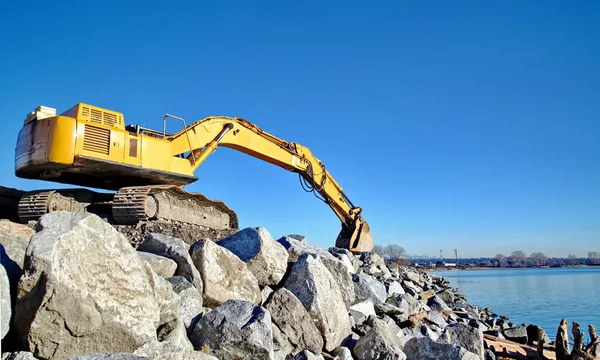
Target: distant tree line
519,259
393,253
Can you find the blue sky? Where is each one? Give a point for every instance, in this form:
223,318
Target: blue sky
462,125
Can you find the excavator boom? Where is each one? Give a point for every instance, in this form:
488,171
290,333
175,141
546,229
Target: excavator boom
91,146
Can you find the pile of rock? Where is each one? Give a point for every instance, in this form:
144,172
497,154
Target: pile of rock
76,288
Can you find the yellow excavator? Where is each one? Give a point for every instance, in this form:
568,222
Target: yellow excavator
92,147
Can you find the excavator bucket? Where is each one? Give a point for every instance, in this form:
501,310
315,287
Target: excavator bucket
356,237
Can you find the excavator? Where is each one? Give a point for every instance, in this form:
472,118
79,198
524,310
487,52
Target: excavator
145,170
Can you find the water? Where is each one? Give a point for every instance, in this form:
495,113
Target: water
541,296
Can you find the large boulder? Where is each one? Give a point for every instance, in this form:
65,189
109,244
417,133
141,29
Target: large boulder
167,351
225,276
14,239
315,287
297,246
517,334
379,343
368,287
162,266
266,258
288,313
85,290
5,303
235,329
190,305
424,348
177,250
466,336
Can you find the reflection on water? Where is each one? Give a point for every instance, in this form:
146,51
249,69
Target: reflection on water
541,296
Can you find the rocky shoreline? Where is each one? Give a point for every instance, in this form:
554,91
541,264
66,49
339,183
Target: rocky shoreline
75,287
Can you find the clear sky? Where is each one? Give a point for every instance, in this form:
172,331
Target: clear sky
469,125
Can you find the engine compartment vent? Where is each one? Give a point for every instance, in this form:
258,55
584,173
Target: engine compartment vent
96,139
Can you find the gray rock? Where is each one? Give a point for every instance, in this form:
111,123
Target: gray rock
368,287
236,328
342,353
85,290
307,355
168,351
374,264
174,336
14,239
336,267
388,309
288,313
318,291
364,307
5,303
466,336
18,355
447,296
225,276
281,345
394,288
379,343
436,303
110,356
489,355
437,319
533,336
265,293
516,334
411,288
162,266
190,303
265,257
423,348
412,275
177,250
408,304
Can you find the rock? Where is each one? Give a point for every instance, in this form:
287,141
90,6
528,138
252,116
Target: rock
361,310
225,276
423,348
190,301
411,288
110,356
15,238
162,266
265,257
388,309
412,275
166,351
436,318
342,353
374,264
532,335
5,303
265,293
174,334
288,313
335,266
318,291
489,355
84,290
281,345
368,287
18,355
436,303
516,334
394,288
379,343
174,249
306,355
447,296
236,328
466,336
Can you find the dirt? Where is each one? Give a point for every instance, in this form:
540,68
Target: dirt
187,232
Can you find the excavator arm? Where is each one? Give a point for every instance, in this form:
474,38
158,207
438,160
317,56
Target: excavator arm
200,139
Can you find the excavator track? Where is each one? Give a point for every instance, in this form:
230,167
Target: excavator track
33,205
133,204
155,202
